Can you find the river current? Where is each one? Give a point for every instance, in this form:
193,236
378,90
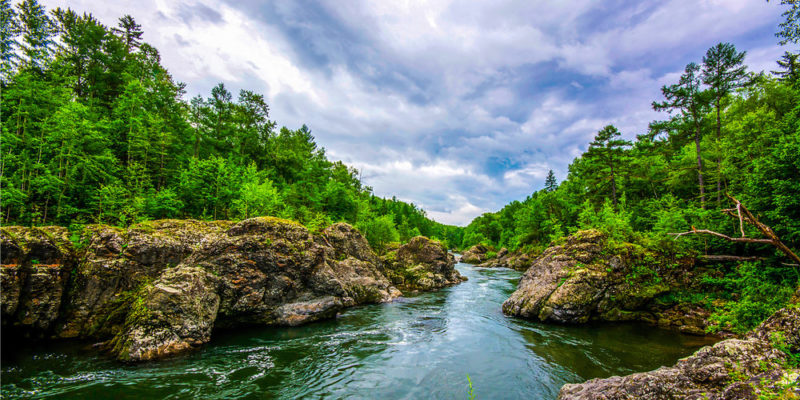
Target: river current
418,347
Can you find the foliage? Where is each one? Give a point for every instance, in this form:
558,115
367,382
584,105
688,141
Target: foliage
725,131
755,290
96,130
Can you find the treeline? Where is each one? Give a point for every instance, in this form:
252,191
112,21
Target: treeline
95,130
726,131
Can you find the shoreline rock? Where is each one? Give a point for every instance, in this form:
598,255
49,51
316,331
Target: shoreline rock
475,254
421,264
514,260
756,366
587,278
160,288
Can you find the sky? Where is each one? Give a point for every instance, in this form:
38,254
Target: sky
457,106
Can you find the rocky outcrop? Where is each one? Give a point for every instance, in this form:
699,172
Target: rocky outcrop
475,255
587,278
763,364
421,264
162,287
35,268
519,261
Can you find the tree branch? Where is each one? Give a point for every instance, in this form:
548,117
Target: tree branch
743,214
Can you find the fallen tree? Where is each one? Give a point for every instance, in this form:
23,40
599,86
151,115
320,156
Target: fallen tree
744,216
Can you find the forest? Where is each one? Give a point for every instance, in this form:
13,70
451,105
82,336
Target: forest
96,130
729,138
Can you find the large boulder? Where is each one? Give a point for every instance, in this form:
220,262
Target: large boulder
586,277
160,288
475,254
517,260
421,264
116,261
762,364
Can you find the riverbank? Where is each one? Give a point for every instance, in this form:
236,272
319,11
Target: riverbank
421,346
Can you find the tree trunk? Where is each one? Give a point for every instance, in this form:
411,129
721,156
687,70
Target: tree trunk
700,168
613,187
719,158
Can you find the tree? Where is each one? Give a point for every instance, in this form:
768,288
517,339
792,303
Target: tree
130,32
9,30
379,231
606,155
723,71
550,183
687,97
791,68
37,31
790,28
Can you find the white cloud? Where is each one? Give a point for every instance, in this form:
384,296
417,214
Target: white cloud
458,107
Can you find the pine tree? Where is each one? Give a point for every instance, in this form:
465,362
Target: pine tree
37,31
691,101
130,32
606,156
723,71
550,183
791,68
9,30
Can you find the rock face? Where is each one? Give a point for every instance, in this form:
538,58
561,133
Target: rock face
515,260
585,279
160,288
35,268
756,366
421,264
475,255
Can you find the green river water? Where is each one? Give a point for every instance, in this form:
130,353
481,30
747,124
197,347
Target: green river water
418,347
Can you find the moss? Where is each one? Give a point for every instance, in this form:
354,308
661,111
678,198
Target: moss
365,294
137,313
119,310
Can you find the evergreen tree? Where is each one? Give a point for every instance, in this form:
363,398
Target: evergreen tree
130,32
9,30
688,97
550,183
790,27
37,34
723,71
791,68
606,157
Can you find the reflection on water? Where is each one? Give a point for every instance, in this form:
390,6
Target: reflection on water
417,347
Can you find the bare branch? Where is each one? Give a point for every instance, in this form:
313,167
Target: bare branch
726,237
743,214
714,258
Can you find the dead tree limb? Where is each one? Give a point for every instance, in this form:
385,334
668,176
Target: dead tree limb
716,258
744,215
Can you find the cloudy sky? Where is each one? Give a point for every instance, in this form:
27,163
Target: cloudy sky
457,106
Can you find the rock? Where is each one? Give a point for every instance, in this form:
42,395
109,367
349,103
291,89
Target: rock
161,288
421,264
169,316
515,260
744,368
502,253
587,279
117,260
36,264
475,255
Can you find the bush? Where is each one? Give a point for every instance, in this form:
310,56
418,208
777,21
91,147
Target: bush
759,289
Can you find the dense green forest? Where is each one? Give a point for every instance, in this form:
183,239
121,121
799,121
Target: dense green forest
95,130
725,131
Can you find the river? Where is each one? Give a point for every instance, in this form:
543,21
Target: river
418,347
